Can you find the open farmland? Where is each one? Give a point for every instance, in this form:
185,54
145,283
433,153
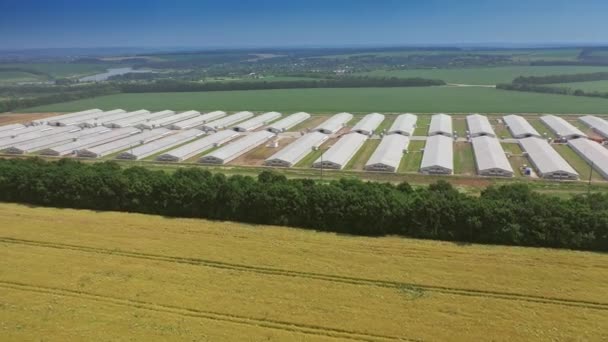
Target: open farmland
181,279
356,100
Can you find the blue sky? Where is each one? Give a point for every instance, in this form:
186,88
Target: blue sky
248,23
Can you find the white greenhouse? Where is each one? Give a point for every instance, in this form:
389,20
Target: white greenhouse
95,120
50,141
160,145
169,120
297,150
599,125
548,163
340,153
198,120
227,121
389,153
520,127
479,125
90,141
56,120
441,124
257,122
368,124
490,158
562,128
199,146
438,157
237,148
593,153
131,141
404,124
288,122
334,123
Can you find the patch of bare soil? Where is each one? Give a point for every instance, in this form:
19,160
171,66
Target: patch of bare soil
258,155
12,118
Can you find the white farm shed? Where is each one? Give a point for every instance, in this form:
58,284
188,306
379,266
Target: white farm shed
389,153
404,124
111,122
490,158
599,125
50,141
89,141
199,146
341,152
441,124
122,144
594,153
95,120
13,133
334,123
160,145
55,120
138,119
35,135
227,121
169,120
198,120
520,127
257,122
11,127
562,128
548,163
237,148
368,124
479,125
297,150
438,157
288,122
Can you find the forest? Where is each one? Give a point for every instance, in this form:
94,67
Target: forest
507,214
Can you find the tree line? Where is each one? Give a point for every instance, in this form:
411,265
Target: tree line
341,82
508,214
542,84
568,78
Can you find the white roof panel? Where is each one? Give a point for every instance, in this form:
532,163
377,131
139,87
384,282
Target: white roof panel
11,127
441,124
198,120
593,153
294,152
90,141
334,123
479,125
520,127
438,152
169,120
41,134
598,124
161,144
340,153
389,153
561,127
404,124
544,157
227,121
257,122
122,144
50,141
55,119
489,154
199,146
288,122
237,148
368,124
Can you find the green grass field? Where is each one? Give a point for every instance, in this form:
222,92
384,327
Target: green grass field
411,160
601,86
362,156
579,164
80,275
487,76
356,100
11,77
464,159
59,70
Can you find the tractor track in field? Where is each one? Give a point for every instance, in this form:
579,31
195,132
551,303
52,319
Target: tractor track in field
317,276
209,315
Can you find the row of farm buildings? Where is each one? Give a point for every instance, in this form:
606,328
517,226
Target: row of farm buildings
219,138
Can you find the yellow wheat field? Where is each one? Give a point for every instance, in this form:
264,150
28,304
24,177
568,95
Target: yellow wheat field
80,275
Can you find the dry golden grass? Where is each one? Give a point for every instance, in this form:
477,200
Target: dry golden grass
81,275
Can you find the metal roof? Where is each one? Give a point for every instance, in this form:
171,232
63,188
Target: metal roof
288,122
227,121
389,153
561,127
341,152
441,124
404,124
11,127
123,144
7,134
520,127
489,155
109,121
198,120
545,158
479,125
294,152
438,152
41,134
55,119
160,145
199,146
334,123
50,141
90,141
96,119
257,122
368,124
166,121
137,119
593,153
599,125
237,148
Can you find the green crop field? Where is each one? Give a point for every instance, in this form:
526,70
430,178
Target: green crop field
486,76
356,100
601,86
61,69
77,275
522,55
8,77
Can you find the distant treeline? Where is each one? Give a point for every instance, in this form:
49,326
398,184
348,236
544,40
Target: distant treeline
568,78
550,90
508,214
26,70
595,62
342,82
52,95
